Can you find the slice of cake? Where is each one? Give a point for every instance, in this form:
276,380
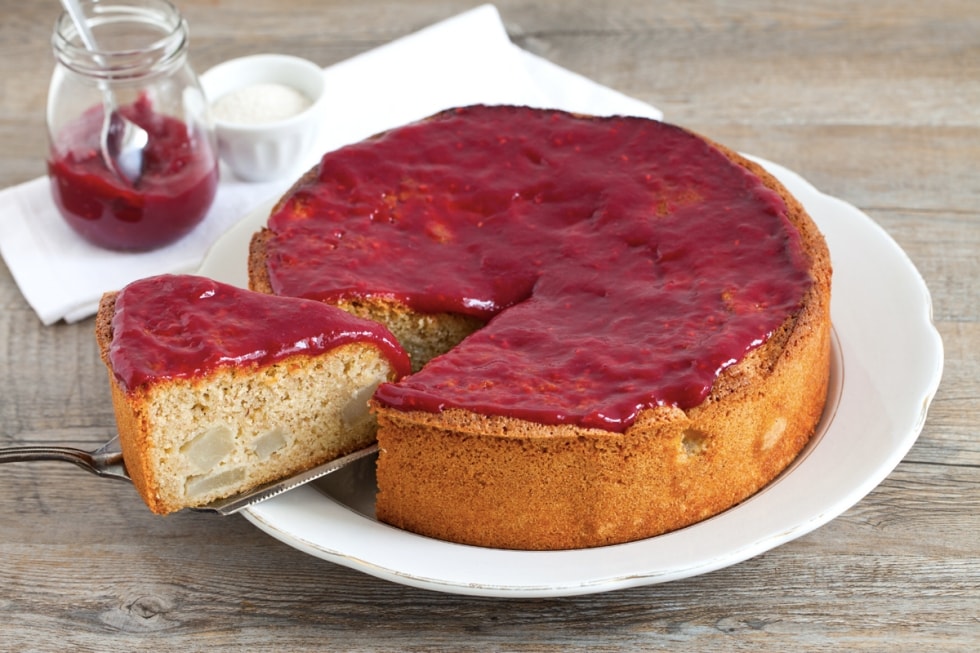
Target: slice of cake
218,389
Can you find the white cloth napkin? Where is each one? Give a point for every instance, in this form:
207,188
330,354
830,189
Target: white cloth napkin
466,59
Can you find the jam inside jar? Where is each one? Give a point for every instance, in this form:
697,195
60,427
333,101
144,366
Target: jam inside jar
142,60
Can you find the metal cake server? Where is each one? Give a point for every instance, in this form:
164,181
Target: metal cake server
107,461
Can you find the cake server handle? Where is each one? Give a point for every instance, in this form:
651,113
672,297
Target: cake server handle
106,461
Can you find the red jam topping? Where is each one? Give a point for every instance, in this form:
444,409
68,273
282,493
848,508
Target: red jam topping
177,326
624,262
178,182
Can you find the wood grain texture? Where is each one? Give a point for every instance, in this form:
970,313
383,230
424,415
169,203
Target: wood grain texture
877,103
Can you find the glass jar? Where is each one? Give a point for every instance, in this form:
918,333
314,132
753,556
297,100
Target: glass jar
140,66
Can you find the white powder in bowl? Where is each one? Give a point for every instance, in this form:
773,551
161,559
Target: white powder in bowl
260,103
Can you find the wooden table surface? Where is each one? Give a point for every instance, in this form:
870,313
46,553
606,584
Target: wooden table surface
876,102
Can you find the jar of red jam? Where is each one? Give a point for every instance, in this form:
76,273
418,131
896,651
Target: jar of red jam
140,66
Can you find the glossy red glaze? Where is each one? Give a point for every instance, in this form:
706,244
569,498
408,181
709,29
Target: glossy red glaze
180,326
171,197
624,262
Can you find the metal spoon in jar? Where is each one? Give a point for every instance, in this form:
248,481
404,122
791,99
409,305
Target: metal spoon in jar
121,140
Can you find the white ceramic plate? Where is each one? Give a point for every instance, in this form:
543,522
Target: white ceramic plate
887,364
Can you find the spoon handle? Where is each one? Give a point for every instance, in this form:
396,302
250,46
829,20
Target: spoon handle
81,24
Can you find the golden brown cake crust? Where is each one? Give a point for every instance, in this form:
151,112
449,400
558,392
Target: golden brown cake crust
131,427
505,482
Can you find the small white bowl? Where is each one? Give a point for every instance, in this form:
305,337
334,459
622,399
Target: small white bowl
267,150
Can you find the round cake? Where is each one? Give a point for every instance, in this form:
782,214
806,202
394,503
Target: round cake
617,327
